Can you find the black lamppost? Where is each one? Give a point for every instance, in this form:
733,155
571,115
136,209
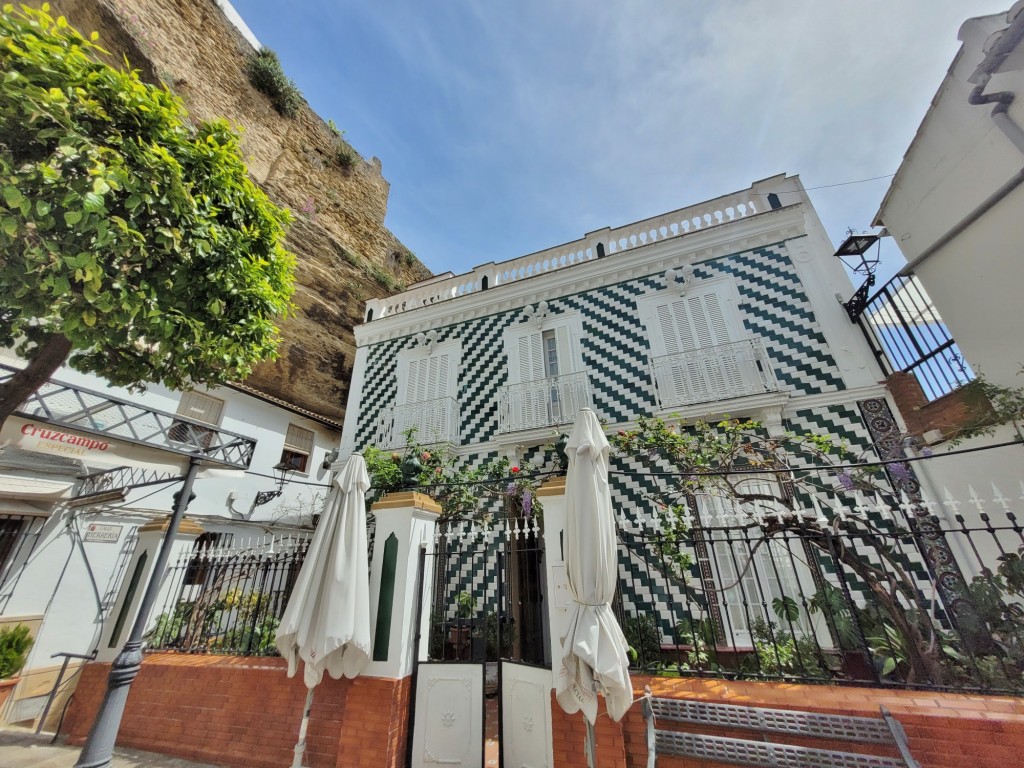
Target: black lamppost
99,748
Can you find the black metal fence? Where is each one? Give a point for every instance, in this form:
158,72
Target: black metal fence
906,334
871,593
228,600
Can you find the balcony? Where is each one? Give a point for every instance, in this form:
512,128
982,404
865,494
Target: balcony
542,403
708,374
435,421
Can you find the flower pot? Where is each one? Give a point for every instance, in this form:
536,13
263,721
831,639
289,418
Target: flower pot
6,688
458,638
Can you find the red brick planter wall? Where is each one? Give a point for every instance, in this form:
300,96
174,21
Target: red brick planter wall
246,712
945,730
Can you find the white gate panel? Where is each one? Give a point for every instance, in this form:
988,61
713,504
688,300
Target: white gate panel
449,725
526,716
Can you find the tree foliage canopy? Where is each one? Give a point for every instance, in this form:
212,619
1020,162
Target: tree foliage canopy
124,229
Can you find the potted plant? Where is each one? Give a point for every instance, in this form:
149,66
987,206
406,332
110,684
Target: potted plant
459,635
15,643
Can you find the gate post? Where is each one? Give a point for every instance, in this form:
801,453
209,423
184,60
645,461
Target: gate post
137,576
552,494
376,729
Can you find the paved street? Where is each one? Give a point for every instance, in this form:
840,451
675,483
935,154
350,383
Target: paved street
20,748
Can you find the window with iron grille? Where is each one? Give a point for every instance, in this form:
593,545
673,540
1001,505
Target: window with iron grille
10,537
198,407
298,445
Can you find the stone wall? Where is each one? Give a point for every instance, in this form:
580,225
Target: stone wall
345,252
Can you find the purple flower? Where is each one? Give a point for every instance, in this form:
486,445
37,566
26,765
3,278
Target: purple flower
527,503
900,471
926,451
510,489
846,480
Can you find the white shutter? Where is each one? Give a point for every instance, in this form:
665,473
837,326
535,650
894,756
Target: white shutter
200,407
528,404
529,365
426,379
698,320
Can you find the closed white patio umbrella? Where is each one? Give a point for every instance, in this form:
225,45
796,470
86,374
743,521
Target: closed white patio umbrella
594,650
327,621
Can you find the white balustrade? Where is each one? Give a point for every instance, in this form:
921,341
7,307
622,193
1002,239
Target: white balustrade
542,403
695,218
717,372
435,421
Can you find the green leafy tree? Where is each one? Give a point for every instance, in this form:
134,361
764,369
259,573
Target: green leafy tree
130,239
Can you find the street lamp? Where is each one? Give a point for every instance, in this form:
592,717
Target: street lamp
851,253
281,471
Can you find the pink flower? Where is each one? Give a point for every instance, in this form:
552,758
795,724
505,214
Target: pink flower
425,455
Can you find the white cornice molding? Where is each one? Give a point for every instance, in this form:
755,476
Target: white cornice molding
838,397
772,226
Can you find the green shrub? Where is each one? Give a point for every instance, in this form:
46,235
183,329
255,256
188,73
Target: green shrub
345,157
14,646
644,639
267,77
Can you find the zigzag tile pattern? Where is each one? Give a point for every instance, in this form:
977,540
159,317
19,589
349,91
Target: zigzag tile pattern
615,354
615,349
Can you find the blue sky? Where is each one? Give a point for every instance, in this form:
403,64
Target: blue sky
506,127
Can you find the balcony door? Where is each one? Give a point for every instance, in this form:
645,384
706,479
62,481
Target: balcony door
697,344
543,390
427,387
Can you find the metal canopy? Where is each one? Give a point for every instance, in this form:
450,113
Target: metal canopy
66,405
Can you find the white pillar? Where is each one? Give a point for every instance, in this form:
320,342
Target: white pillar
406,521
552,496
119,622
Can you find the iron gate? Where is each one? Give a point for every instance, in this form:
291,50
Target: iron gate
485,669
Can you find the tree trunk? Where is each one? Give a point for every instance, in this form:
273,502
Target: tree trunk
924,667
52,351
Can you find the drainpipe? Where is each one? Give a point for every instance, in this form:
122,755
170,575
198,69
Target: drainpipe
1007,43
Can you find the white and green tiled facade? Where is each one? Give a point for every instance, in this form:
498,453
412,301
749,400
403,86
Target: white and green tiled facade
781,265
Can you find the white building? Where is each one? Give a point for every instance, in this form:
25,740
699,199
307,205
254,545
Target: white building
64,561
954,208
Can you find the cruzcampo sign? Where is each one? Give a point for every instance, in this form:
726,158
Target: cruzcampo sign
45,439
95,450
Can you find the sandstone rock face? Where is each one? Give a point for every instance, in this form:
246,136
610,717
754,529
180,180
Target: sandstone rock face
345,253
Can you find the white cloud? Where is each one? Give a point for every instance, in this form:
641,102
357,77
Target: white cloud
507,127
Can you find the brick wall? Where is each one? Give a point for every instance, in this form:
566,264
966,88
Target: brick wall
377,736
945,730
948,414
569,731
246,712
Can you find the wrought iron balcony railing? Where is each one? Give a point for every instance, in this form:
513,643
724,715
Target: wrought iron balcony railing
719,372
906,333
542,403
83,410
435,421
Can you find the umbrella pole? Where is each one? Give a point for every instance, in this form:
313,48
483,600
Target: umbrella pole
590,744
300,747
